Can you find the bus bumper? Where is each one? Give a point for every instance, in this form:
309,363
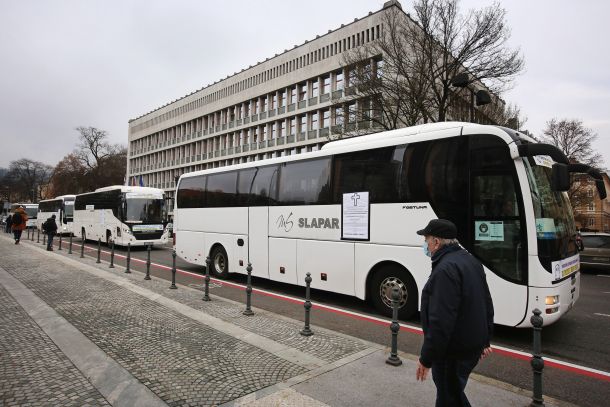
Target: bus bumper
553,302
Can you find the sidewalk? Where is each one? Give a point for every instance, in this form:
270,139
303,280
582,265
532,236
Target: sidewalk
78,333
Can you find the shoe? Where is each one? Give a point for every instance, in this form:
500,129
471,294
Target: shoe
49,250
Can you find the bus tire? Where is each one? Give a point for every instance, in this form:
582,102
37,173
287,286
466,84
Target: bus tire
220,262
83,234
381,286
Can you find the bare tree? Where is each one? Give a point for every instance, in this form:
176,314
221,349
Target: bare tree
69,177
576,142
93,146
26,177
422,56
505,115
104,163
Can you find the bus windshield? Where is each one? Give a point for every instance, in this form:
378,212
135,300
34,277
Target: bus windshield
69,210
144,210
32,212
555,230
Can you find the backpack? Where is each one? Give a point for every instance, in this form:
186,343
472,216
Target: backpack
17,218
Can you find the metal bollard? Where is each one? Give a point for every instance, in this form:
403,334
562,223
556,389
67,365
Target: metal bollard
206,279
44,239
173,286
248,311
147,277
111,266
32,235
537,362
82,248
99,250
70,244
307,331
59,241
393,359
128,260
38,236
28,238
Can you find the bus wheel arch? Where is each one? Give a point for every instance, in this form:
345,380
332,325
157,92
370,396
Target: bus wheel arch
379,283
219,261
108,237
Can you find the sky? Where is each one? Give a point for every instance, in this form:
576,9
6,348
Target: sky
100,63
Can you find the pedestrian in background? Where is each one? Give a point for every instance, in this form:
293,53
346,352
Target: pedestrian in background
456,314
9,222
49,227
18,223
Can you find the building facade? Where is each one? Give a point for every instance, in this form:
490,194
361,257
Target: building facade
591,213
291,103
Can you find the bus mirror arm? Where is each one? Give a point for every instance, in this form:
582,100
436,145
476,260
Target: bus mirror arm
530,150
593,173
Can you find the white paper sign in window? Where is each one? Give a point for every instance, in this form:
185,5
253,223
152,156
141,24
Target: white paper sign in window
355,216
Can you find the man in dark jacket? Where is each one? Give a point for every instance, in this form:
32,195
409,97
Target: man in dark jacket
456,314
50,228
9,222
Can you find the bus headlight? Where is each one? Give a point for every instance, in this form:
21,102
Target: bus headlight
551,299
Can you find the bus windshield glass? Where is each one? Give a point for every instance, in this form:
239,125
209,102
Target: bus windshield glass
555,230
31,212
69,210
144,210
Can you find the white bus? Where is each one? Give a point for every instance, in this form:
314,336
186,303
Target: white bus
122,214
348,214
63,209
31,209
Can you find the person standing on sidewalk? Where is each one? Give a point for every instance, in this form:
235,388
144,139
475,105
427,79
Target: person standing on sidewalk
456,314
19,223
9,222
50,228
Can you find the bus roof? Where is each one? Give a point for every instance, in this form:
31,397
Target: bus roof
419,133
62,197
126,188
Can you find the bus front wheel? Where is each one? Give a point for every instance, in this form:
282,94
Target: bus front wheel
382,284
220,262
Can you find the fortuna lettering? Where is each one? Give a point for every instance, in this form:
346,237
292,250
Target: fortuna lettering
319,223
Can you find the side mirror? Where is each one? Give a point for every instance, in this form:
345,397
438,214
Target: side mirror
560,177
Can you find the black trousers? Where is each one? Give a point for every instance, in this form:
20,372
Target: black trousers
450,378
17,233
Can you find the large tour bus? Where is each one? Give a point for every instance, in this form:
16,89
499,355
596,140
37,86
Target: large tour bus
31,209
348,214
123,214
63,209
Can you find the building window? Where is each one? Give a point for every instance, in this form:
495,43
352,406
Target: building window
302,123
282,98
325,85
302,91
590,193
273,101
314,88
591,206
338,116
591,222
352,110
326,118
339,80
293,95
282,128
292,124
313,121
264,104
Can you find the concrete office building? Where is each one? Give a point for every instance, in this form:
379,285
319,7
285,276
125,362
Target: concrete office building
288,104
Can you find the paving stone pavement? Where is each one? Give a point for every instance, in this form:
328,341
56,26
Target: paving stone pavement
33,371
183,362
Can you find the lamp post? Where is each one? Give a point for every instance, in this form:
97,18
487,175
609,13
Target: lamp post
479,98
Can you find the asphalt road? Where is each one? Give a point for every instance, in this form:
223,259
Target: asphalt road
581,337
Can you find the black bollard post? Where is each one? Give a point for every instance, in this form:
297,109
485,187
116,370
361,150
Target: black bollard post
38,236
82,248
147,277
248,311
32,235
206,279
537,362
99,250
70,244
111,266
44,239
59,241
393,359
173,286
307,331
128,260
28,238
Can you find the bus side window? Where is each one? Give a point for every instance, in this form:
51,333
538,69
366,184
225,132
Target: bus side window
264,186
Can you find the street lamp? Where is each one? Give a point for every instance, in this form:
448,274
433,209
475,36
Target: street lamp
478,98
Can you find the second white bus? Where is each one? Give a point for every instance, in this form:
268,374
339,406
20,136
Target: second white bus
63,209
123,214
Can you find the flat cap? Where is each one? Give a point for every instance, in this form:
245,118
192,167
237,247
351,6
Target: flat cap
442,228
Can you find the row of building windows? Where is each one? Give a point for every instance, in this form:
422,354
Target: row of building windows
324,52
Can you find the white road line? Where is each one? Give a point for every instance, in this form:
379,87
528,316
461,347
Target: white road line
601,315
603,275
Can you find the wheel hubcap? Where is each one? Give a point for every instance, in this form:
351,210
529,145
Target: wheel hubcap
219,263
385,291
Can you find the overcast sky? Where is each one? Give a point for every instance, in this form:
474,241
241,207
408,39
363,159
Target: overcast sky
69,63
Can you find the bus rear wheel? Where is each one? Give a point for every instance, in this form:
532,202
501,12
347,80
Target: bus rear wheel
220,262
382,284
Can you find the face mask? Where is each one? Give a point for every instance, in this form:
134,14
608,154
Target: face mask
426,250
